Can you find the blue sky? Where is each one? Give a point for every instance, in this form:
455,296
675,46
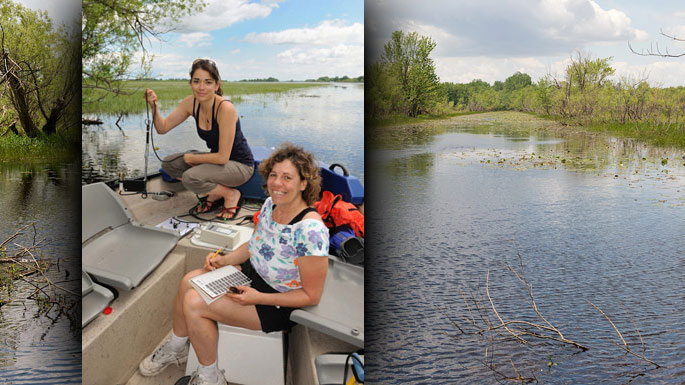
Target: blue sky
492,39
286,39
257,39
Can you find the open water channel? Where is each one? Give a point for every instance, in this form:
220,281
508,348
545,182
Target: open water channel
326,120
593,217
38,348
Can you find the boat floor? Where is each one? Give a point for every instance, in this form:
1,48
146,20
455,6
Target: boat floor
141,320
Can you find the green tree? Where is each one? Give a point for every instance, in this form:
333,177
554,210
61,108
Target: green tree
407,57
382,92
114,30
37,69
544,94
517,81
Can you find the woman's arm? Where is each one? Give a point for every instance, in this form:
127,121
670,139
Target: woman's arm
313,271
227,117
181,113
235,257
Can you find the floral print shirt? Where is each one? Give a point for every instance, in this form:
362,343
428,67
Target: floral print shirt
274,248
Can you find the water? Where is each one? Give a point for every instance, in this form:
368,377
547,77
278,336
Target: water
326,120
593,218
34,348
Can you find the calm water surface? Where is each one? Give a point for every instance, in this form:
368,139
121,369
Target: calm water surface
327,120
593,218
34,349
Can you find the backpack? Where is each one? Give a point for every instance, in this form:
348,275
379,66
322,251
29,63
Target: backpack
346,245
335,212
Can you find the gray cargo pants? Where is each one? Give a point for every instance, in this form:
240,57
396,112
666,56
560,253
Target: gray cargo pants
203,178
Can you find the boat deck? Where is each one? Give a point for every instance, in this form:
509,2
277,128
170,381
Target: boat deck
113,345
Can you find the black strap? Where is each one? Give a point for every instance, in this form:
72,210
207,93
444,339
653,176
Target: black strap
217,110
299,216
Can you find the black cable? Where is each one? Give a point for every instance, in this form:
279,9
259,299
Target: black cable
152,137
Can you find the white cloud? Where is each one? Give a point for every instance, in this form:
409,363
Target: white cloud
200,39
328,32
170,65
235,51
585,20
220,14
501,28
465,69
660,73
322,55
60,11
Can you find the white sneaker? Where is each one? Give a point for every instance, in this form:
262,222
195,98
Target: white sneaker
197,379
156,362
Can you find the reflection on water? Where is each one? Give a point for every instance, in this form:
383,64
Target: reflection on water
327,120
35,348
593,218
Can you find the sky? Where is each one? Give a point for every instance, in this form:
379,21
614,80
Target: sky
59,11
285,39
492,39
476,39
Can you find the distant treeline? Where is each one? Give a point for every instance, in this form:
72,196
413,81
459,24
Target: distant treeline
584,95
269,79
337,79
404,83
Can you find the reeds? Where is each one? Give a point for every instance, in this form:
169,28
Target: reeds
172,91
15,147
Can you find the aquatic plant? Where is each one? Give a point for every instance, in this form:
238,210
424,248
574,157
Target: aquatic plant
25,262
481,319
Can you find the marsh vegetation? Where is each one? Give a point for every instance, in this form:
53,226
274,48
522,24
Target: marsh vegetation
587,94
130,98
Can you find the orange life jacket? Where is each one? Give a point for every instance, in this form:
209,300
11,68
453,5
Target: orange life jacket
336,212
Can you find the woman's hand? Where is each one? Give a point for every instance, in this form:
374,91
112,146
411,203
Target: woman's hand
150,96
246,295
189,159
212,262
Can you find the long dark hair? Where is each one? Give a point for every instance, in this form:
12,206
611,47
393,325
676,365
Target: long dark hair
209,66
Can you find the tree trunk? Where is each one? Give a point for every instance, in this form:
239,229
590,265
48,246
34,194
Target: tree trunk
21,106
55,113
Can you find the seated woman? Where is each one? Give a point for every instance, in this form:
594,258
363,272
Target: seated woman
229,162
286,259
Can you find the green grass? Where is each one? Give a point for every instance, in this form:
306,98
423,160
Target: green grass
172,91
663,135
399,120
15,148
656,134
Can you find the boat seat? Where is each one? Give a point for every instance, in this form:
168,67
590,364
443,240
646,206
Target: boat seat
248,356
340,312
94,299
115,249
330,368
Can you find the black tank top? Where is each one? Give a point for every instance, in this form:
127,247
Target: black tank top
240,152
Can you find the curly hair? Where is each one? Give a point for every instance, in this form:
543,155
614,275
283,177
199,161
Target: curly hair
303,162
209,66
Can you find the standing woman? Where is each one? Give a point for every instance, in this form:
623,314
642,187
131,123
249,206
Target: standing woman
229,162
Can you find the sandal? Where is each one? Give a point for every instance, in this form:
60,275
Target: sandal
229,210
205,205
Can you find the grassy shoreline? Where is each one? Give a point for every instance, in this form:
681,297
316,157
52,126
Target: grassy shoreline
21,149
131,99
658,135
